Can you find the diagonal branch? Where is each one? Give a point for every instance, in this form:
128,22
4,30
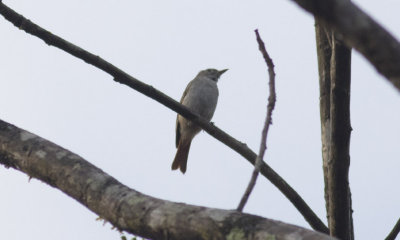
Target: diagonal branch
268,121
395,231
127,209
120,76
361,32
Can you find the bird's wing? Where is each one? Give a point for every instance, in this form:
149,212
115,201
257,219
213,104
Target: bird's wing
178,127
178,132
186,90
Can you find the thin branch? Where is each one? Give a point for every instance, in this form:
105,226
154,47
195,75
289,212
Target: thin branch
395,231
127,209
120,76
324,53
268,121
360,31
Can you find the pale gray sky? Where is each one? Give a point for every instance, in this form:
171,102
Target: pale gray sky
131,137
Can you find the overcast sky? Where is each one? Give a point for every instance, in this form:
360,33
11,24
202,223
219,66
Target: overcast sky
165,44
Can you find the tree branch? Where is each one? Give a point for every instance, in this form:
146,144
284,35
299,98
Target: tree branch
324,52
395,231
360,31
339,151
119,76
268,121
334,63
127,209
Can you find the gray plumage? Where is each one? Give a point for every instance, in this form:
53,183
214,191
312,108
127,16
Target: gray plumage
201,96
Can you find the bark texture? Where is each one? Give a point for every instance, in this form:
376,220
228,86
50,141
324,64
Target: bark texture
324,52
334,60
121,77
339,153
360,31
127,209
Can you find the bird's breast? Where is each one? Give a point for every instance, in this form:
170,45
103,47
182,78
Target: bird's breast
202,97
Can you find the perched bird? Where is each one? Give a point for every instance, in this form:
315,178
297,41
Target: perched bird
201,96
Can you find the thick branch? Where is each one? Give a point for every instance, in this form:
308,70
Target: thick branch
126,208
267,123
361,32
123,78
334,64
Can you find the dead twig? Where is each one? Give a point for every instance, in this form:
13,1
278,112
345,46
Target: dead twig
268,121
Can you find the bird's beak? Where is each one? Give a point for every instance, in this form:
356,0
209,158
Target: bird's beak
222,71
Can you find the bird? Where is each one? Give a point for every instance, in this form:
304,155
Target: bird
201,97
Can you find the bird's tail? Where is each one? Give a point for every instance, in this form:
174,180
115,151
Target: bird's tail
181,157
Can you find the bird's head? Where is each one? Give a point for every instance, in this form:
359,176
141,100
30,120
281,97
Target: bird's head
211,73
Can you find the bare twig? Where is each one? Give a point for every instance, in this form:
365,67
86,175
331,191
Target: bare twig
120,76
268,121
127,209
395,231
